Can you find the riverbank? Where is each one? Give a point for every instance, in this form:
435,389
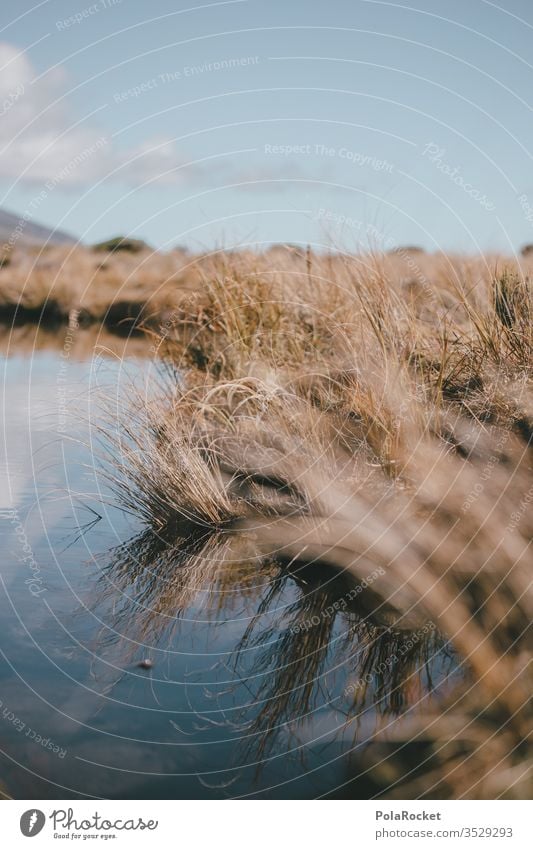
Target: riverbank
369,417
125,289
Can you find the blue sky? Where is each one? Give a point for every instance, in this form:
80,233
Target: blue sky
345,123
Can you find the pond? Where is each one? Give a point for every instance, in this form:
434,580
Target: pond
258,681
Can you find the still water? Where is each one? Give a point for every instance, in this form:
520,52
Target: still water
262,681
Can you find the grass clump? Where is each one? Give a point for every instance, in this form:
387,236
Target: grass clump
342,412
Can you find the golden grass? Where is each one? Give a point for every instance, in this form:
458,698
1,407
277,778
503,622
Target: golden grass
360,413
110,288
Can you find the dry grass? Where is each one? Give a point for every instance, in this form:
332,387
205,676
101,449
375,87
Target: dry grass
114,288
364,412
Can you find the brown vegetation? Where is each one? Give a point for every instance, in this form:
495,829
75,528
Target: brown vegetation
360,413
363,413
117,288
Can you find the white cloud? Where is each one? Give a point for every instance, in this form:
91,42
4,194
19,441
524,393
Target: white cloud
40,142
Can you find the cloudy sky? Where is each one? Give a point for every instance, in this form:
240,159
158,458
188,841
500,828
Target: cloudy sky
225,123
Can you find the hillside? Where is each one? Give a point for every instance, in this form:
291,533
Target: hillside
15,230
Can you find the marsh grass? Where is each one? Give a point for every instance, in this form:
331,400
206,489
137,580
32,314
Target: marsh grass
115,289
356,413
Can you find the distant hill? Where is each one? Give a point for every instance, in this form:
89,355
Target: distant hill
13,226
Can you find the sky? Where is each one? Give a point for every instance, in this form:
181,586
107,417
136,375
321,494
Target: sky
342,124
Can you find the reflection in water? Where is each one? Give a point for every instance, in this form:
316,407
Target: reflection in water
304,639
81,345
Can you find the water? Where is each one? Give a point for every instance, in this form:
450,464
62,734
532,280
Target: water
258,687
